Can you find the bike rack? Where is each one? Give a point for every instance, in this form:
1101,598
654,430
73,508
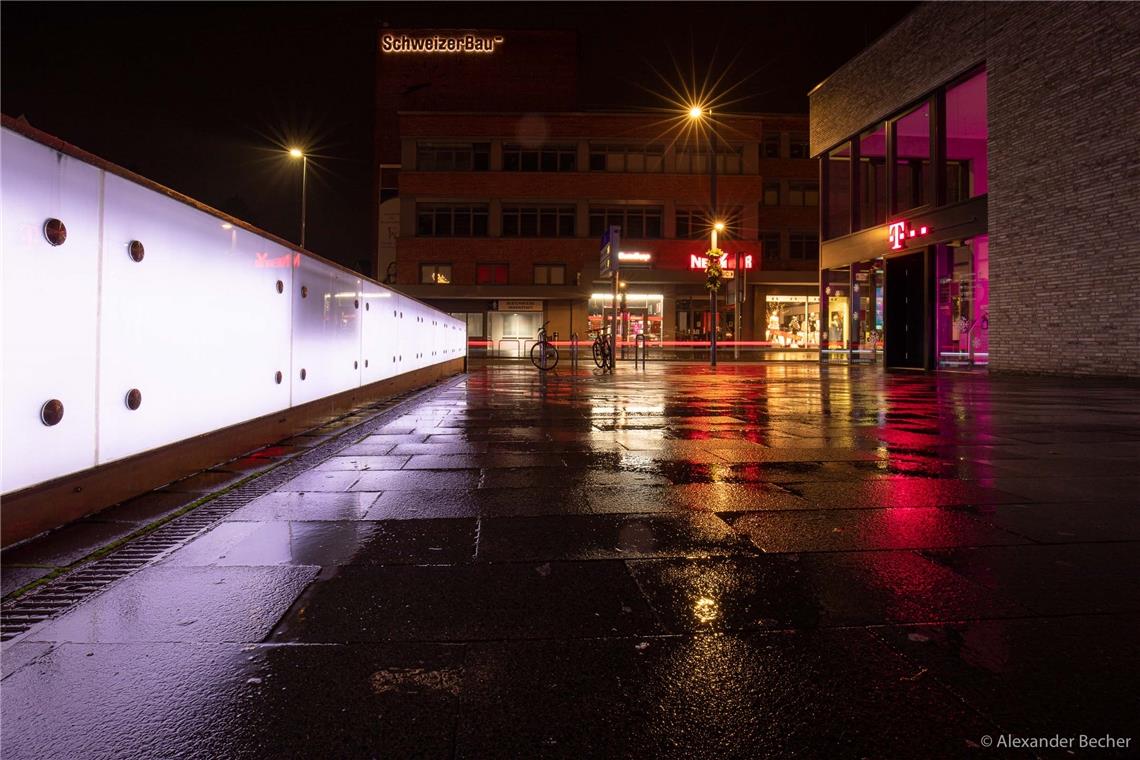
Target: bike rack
640,344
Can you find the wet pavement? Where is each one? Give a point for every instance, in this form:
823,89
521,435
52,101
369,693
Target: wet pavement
775,560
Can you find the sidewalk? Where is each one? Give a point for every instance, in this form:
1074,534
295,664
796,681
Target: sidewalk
765,561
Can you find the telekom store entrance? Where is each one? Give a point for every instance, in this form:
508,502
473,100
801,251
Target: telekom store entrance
923,303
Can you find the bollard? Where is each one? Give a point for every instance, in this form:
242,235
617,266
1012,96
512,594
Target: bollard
640,344
574,350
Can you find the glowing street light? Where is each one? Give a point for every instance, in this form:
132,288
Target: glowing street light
298,153
698,112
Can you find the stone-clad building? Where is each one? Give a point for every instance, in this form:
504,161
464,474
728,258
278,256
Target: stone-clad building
980,190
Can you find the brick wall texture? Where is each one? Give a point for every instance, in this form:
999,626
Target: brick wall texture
1064,164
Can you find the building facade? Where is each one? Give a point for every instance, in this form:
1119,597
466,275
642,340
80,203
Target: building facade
493,208
979,197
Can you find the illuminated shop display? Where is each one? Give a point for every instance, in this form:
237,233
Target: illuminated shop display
214,326
792,321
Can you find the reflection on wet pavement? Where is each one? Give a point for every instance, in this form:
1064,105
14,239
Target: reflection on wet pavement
765,561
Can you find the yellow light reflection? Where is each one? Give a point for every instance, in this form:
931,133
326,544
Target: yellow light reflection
705,610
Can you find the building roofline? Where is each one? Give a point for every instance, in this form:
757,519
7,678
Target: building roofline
865,50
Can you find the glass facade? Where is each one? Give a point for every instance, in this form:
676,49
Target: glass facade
912,158
838,192
963,320
873,177
967,139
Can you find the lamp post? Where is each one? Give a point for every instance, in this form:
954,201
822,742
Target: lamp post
298,153
697,113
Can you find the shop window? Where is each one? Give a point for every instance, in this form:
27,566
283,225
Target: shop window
803,193
539,221
963,303
547,158
451,220
452,157
838,189
770,246
771,195
621,157
549,274
770,148
873,177
800,146
967,138
492,274
803,246
912,162
435,274
791,321
636,222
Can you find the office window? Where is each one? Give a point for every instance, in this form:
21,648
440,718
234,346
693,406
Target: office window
636,222
802,193
538,221
547,158
389,182
803,246
770,246
491,274
692,223
694,159
770,148
632,157
453,157
800,146
435,274
549,274
771,195
451,220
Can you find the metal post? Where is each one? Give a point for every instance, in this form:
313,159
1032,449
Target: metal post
712,203
304,186
736,311
614,323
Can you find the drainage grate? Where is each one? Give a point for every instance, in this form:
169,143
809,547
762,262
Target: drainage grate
66,591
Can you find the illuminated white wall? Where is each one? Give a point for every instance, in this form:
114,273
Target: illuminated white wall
200,326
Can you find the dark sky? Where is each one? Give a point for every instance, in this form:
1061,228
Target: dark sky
196,96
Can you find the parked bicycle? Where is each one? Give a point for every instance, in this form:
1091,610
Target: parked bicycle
602,350
543,354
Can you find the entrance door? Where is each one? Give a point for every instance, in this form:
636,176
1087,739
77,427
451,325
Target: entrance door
905,311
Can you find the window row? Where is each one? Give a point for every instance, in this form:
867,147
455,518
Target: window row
798,146
920,145
802,246
603,157
492,274
560,221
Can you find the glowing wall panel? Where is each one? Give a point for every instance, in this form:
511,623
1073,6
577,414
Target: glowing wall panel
199,326
326,331
50,308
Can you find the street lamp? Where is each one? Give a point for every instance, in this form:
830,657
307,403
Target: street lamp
298,153
698,112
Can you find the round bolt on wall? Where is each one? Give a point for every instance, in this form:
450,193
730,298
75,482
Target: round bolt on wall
55,231
51,412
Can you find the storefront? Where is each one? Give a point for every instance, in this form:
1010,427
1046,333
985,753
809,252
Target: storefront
904,264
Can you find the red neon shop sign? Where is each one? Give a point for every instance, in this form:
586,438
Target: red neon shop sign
727,261
900,232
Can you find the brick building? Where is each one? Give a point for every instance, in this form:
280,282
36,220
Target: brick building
494,208
1007,229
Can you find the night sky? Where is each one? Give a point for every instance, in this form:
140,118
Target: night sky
198,96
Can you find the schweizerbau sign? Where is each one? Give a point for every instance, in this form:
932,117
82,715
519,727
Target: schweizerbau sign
458,42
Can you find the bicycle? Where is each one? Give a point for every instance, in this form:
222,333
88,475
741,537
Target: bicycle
602,351
543,354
